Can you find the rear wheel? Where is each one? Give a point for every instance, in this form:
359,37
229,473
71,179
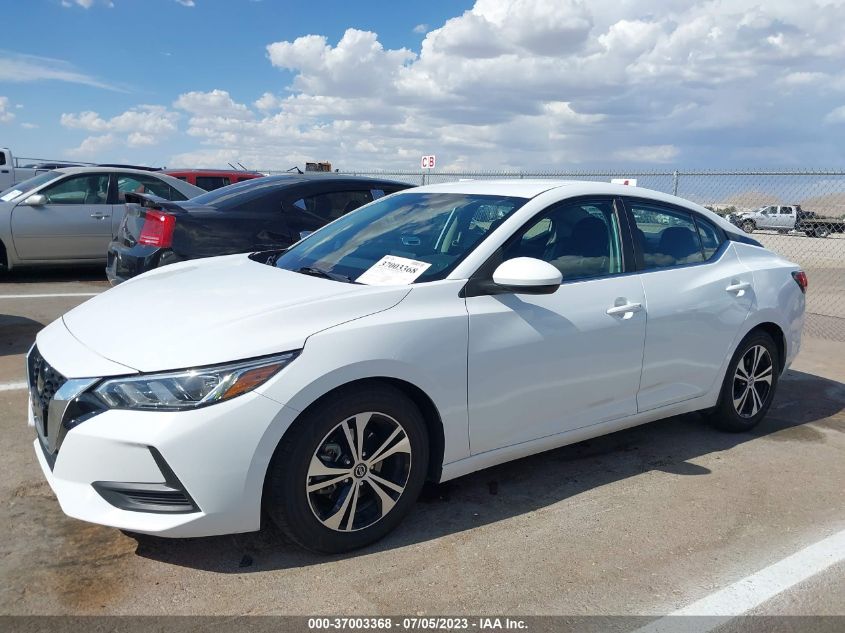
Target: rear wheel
748,226
822,231
349,470
749,384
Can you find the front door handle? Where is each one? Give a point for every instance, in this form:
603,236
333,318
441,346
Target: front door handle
100,216
625,310
739,287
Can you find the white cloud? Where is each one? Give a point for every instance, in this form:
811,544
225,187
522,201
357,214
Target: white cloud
146,119
420,29
268,101
187,3
217,103
647,154
138,139
29,126
87,4
92,146
5,115
837,115
19,68
142,126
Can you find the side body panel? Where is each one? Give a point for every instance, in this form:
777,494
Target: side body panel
693,320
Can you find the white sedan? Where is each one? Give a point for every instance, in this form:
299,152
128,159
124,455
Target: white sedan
430,334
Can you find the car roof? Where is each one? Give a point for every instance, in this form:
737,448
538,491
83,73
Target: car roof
328,177
213,172
99,169
570,189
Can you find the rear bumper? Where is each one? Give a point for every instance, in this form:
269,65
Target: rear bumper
125,262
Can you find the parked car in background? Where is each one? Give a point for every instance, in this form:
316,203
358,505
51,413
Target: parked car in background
431,334
260,214
14,169
785,218
211,179
69,215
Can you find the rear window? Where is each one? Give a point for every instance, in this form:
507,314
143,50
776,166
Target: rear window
239,194
210,183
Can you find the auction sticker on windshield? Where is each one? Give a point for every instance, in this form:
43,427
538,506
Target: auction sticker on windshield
393,271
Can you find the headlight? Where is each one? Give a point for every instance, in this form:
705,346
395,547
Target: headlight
191,388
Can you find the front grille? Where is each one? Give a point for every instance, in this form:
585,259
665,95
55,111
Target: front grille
44,382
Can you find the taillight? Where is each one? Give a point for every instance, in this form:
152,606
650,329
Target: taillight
800,278
157,229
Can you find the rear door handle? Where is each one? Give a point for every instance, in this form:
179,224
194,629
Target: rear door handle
100,216
628,308
738,287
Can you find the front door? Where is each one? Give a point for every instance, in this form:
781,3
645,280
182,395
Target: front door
75,222
698,294
540,365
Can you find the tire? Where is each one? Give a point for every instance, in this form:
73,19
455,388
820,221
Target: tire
821,231
735,412
748,226
321,519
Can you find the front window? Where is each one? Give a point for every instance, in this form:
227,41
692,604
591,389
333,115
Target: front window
81,189
437,229
580,239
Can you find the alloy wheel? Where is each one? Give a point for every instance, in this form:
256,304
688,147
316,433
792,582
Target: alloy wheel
358,472
752,383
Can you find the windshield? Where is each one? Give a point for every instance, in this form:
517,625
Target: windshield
28,185
420,236
237,195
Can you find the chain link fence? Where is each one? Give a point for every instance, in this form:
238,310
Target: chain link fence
798,214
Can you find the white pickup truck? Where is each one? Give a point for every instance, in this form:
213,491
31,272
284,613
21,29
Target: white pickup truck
14,169
783,219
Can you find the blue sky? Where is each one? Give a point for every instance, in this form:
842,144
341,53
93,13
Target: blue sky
487,84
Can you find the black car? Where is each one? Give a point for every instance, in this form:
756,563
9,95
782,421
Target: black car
262,214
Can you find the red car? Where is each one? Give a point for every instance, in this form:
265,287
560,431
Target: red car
210,179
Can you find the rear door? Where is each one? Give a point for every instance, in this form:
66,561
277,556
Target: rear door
75,223
698,293
786,218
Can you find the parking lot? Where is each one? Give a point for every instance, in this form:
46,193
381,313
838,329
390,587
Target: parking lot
644,521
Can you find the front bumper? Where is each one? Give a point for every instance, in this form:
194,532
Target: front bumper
218,455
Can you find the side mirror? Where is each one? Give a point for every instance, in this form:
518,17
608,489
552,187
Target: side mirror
36,200
527,275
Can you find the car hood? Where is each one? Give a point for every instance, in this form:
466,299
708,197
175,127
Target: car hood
217,310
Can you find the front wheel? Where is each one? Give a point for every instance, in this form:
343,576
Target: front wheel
749,384
748,226
349,469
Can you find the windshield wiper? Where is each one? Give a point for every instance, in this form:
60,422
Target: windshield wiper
325,274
